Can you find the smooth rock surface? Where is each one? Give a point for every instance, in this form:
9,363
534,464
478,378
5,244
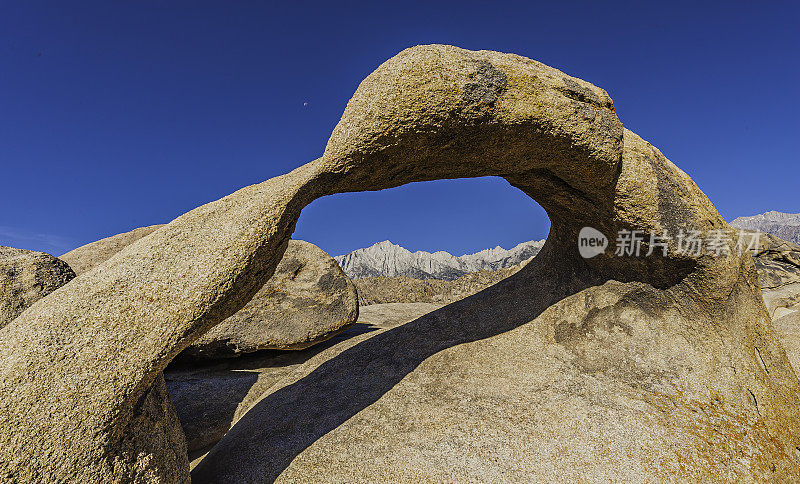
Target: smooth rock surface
778,264
27,276
630,368
210,395
309,299
391,314
526,400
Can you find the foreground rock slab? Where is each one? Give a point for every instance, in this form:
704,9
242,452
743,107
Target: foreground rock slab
210,395
27,276
637,368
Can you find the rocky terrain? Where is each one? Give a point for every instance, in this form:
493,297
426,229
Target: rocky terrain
386,259
210,397
783,225
404,289
609,369
312,294
89,256
778,264
27,276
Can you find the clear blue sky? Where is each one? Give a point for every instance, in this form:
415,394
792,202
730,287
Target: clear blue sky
115,115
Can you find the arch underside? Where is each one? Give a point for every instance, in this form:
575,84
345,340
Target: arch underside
646,343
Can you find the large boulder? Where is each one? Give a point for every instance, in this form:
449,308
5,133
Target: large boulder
87,257
308,299
27,276
778,264
664,367
777,261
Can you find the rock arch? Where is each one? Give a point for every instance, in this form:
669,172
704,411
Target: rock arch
81,394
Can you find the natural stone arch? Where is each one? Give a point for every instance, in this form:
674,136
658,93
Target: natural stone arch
77,370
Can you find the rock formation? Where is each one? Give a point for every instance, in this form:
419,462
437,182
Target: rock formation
403,289
87,257
611,368
783,225
27,276
208,397
308,300
778,264
386,259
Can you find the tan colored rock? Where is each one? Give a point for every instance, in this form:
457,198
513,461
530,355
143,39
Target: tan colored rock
777,261
210,395
404,289
87,257
309,299
778,264
642,369
27,276
393,314
787,326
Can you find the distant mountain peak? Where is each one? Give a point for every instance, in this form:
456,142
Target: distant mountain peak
388,259
780,224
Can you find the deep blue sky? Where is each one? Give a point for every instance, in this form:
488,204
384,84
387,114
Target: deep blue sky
115,115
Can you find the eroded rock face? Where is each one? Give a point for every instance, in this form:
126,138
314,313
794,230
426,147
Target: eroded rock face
87,257
309,299
648,368
778,263
27,276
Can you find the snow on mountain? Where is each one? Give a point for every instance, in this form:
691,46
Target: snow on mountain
388,259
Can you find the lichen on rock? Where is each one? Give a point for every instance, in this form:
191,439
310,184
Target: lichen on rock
668,366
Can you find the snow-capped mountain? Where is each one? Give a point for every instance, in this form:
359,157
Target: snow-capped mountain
388,259
783,225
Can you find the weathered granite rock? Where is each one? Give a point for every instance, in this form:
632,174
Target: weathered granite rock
309,299
210,395
778,264
86,257
27,276
631,368
777,261
392,314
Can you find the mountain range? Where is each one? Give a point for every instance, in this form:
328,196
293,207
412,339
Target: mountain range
780,224
385,259
389,260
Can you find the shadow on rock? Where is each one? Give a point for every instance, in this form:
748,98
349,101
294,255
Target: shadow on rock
263,443
208,396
